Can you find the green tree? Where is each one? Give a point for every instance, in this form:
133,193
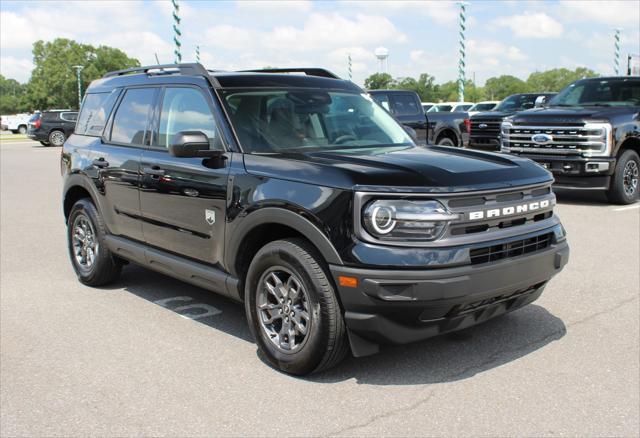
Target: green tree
13,96
497,88
557,78
53,82
378,81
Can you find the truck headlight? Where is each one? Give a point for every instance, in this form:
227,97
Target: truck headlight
399,219
600,139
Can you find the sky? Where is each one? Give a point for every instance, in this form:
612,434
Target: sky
503,37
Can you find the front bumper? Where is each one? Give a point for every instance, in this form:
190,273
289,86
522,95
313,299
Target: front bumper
575,172
401,306
484,143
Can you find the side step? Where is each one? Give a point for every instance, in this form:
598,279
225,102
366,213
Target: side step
198,274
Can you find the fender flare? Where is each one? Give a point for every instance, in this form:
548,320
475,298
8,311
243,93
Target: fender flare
79,180
281,216
441,129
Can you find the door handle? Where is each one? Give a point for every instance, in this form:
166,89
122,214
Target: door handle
153,170
100,163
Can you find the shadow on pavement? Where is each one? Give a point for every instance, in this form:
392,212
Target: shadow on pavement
581,197
451,357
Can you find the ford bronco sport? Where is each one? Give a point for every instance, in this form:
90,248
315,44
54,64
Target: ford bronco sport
303,198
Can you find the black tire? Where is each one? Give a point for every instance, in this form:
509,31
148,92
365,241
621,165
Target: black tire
22,129
57,138
105,267
446,141
44,143
622,189
325,343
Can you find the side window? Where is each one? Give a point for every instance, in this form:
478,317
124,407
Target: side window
132,117
404,105
186,109
383,100
94,113
69,117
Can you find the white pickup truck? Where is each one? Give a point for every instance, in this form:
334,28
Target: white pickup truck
16,123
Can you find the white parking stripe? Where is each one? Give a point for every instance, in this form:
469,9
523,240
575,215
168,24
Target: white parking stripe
629,207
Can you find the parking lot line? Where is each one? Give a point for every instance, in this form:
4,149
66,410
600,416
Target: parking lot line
628,207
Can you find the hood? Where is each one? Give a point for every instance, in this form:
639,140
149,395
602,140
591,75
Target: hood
416,169
573,114
490,115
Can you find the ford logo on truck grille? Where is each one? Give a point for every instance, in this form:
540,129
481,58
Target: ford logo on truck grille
482,125
541,138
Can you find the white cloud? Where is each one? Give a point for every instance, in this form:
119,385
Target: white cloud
16,68
531,25
485,48
274,7
441,12
610,12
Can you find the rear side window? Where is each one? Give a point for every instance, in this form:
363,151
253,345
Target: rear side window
131,122
383,100
95,112
405,105
69,117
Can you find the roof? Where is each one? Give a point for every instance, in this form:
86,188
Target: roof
197,74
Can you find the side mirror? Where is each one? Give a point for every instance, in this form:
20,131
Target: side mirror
190,144
540,102
412,132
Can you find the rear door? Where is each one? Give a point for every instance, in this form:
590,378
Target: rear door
406,107
116,160
183,200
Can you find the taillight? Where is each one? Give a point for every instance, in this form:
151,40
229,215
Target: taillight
37,123
467,123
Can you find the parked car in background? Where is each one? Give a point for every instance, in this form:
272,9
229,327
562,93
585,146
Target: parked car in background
588,136
446,128
481,107
16,123
426,106
451,107
485,127
52,127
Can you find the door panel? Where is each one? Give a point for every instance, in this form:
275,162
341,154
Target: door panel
183,200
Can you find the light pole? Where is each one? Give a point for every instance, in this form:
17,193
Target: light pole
462,50
616,53
78,70
176,32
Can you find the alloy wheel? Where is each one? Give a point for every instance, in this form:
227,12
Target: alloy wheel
630,177
283,309
57,138
85,245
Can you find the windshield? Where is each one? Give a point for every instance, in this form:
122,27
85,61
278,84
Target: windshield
460,108
283,120
483,107
605,92
518,102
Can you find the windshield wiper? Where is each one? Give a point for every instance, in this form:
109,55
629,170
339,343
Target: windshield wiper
562,104
597,104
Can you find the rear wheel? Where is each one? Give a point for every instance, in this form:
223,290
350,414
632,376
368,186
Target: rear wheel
625,181
22,129
57,138
292,308
94,264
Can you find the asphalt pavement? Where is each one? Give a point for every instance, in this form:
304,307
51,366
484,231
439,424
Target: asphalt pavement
152,356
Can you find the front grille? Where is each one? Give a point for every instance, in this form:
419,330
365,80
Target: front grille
555,140
492,127
510,249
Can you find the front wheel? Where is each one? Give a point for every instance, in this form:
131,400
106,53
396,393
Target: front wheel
624,183
445,141
93,262
292,308
57,138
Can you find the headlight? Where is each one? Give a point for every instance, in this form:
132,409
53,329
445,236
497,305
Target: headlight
600,139
398,219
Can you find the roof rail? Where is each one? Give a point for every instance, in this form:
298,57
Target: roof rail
193,69
308,71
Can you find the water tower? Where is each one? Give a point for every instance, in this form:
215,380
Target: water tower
382,53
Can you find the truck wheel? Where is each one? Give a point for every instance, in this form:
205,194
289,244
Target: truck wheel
625,181
56,138
22,129
292,308
93,262
445,141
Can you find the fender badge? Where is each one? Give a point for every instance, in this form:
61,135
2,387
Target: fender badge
210,216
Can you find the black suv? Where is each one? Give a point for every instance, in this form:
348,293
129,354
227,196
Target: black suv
52,127
303,198
485,127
